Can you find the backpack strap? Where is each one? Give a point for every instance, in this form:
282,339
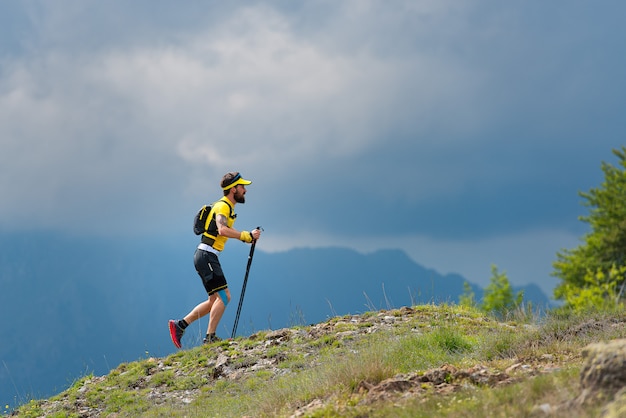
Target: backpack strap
210,226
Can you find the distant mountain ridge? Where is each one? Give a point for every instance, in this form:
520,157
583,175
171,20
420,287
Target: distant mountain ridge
72,306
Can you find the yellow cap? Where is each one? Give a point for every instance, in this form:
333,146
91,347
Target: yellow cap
232,179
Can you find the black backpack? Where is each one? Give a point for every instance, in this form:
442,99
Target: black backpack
201,223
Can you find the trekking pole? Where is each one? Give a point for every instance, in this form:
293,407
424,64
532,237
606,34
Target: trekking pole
245,281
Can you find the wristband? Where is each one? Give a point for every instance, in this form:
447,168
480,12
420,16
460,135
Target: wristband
245,236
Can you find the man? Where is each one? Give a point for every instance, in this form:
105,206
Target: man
206,258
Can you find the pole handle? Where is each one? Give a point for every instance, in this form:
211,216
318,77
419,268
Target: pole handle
260,229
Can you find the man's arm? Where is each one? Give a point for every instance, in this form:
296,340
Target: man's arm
224,230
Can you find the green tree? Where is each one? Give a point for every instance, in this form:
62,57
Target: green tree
498,297
597,266
468,297
599,291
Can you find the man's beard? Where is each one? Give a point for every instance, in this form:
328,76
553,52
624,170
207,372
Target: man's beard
240,198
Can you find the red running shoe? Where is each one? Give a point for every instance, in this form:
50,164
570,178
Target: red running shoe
176,333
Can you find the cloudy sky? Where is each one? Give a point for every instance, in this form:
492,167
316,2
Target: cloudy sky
460,132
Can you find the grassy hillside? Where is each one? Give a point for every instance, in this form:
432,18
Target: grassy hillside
81,333
422,361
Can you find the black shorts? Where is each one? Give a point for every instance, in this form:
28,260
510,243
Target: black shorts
208,267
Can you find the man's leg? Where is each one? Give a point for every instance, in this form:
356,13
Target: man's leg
200,310
217,310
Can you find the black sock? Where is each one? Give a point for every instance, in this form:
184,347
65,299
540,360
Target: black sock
183,324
